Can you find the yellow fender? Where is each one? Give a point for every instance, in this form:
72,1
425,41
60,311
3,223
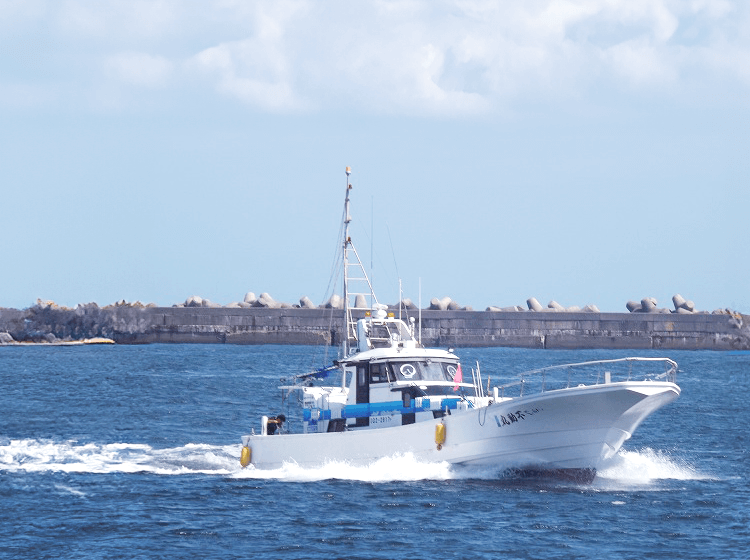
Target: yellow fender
440,435
246,456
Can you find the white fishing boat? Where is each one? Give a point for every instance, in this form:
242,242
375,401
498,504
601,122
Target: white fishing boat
388,395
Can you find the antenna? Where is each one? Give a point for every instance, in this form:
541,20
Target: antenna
400,298
395,264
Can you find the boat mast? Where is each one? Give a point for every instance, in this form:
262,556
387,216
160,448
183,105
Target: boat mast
347,242
357,285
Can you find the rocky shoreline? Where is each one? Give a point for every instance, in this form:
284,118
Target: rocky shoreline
266,322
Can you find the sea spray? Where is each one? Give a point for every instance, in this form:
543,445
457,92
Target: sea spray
644,467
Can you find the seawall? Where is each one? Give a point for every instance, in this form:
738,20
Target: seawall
128,324
453,328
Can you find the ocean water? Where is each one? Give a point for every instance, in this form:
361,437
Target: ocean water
133,452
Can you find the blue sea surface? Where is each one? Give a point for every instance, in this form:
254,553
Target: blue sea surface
133,452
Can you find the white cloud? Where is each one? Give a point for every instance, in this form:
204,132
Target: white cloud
253,71
712,8
401,57
640,63
258,69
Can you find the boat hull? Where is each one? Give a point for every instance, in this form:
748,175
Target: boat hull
568,430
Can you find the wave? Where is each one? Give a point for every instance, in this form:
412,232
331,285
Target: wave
29,455
645,467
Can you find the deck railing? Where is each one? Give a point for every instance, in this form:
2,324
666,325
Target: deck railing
592,373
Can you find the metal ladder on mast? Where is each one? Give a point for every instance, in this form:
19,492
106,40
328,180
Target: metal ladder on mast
358,293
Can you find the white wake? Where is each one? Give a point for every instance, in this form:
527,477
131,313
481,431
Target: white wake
72,457
627,468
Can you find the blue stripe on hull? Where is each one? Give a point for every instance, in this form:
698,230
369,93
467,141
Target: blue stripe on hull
366,410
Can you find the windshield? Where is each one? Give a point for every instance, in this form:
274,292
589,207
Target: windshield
426,370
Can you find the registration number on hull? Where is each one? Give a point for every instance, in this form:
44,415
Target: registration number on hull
381,420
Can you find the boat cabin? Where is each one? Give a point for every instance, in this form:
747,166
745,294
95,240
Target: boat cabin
389,380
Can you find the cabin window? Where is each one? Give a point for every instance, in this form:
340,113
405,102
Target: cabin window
450,371
380,332
378,373
382,335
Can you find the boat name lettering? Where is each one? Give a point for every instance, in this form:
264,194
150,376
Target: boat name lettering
513,417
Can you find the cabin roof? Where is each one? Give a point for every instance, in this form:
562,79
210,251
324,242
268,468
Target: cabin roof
398,353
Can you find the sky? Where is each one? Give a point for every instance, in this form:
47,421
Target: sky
586,152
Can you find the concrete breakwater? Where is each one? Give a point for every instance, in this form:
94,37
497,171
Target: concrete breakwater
456,328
